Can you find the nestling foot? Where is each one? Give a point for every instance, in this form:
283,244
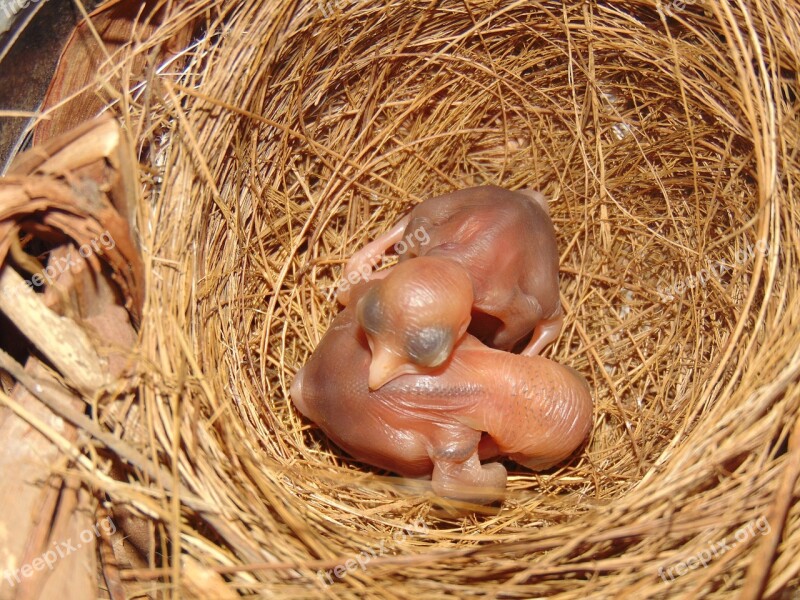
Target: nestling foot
546,331
470,481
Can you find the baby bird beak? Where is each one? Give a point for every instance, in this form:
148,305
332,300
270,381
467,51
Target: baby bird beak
384,367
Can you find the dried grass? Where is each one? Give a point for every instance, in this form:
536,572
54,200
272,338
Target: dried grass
298,131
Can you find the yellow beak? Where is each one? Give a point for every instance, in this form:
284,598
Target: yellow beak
384,367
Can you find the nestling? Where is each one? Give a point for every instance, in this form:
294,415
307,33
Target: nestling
477,403
502,243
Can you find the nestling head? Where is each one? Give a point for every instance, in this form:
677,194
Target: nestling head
414,317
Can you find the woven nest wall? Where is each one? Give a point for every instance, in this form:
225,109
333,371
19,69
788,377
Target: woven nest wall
665,138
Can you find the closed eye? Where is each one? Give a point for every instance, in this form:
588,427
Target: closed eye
370,312
429,346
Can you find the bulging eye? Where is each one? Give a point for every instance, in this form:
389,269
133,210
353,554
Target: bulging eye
370,312
429,346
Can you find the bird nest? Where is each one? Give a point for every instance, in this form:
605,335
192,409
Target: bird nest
289,134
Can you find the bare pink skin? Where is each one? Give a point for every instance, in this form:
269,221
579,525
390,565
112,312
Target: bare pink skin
410,328
479,403
505,244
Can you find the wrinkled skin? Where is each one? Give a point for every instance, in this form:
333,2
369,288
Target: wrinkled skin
409,326
532,409
504,243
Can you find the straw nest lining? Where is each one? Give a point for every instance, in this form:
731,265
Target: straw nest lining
665,141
